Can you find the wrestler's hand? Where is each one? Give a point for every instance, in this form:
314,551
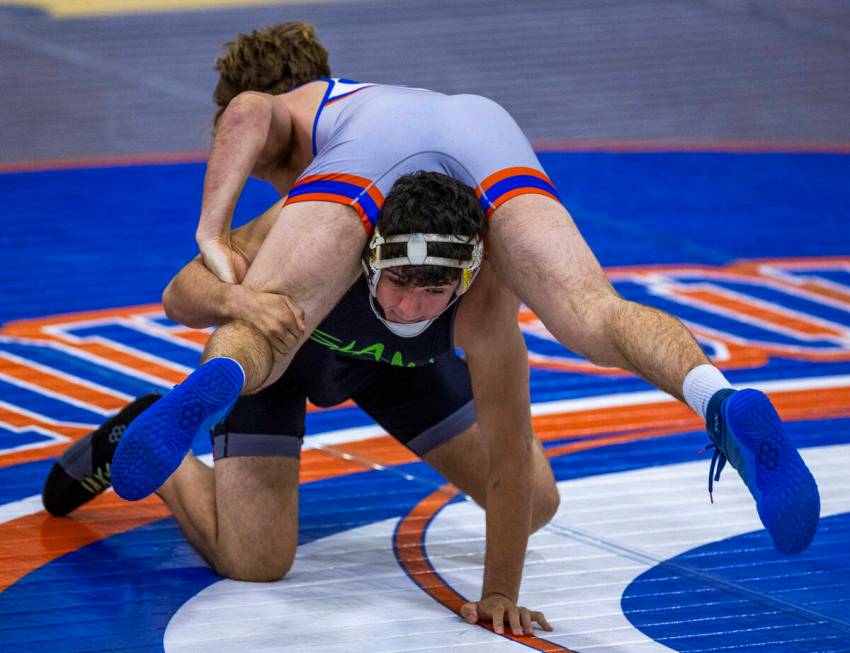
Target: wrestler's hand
277,317
497,609
222,260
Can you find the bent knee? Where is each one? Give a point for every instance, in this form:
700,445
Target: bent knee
546,504
257,569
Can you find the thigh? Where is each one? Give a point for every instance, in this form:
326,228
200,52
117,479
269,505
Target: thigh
423,406
269,423
310,246
311,254
256,451
533,243
538,251
257,508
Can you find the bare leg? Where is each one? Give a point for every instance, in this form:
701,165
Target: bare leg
242,517
465,462
311,254
538,251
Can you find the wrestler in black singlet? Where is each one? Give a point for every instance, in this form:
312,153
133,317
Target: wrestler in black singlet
417,388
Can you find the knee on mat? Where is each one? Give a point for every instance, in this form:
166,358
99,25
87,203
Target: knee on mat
266,568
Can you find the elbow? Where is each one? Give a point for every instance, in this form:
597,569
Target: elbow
169,303
173,307
248,109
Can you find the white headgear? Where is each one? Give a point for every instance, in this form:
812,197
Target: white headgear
417,254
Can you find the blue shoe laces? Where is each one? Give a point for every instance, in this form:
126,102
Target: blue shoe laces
714,476
715,432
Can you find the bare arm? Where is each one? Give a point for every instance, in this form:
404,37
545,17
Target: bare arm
487,329
199,299
253,134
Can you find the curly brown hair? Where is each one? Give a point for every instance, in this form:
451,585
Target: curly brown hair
271,60
431,202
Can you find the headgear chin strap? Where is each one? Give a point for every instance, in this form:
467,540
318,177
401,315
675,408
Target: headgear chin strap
417,254
401,329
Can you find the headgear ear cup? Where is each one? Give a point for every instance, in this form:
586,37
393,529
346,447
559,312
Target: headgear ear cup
469,273
466,280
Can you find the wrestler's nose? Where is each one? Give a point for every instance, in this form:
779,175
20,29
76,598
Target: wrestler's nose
409,306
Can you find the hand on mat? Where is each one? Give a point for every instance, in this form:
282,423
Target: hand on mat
222,260
277,317
499,609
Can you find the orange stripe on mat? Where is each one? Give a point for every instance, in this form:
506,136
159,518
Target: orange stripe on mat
195,336
33,330
17,420
382,450
33,541
778,317
674,417
32,325
43,537
60,385
37,453
409,546
628,422
825,291
127,360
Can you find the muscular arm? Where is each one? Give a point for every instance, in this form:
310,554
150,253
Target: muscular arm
199,299
252,135
486,327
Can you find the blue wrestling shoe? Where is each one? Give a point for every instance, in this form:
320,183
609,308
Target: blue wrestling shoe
155,444
749,434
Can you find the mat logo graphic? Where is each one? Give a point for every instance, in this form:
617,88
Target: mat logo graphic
745,315
61,375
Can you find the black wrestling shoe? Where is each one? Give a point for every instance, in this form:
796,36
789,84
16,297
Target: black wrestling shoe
82,472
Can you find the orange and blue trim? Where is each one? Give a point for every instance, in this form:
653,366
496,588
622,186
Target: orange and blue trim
501,186
357,192
345,95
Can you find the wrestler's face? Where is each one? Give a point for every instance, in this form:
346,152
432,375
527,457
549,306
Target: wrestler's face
408,304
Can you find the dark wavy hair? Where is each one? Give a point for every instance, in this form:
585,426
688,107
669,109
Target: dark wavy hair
271,60
431,202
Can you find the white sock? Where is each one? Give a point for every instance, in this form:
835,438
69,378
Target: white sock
700,385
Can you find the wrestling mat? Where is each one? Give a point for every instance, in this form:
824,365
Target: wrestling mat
751,250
